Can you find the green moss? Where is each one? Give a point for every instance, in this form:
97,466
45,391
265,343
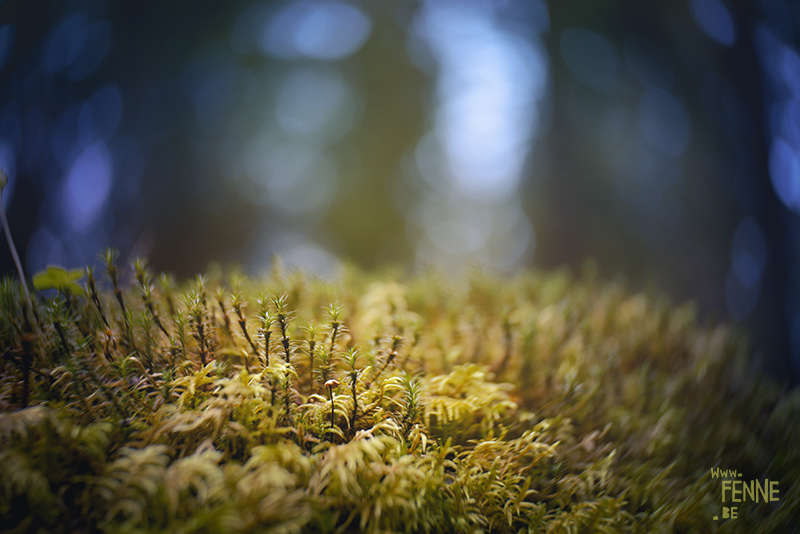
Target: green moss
540,403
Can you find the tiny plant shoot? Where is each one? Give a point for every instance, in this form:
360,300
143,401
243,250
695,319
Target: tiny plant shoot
59,279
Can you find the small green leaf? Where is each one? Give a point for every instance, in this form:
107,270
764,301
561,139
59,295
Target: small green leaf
43,281
59,279
75,274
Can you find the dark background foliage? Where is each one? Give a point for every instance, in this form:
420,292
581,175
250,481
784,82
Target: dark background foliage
659,138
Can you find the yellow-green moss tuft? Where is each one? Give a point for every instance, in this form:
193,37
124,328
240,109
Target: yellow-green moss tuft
540,403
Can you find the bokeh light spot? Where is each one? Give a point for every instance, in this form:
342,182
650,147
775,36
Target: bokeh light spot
87,187
664,121
488,82
748,252
740,299
6,43
65,43
469,166
784,171
101,114
715,19
590,58
326,31
8,163
316,102
291,177
211,79
77,45
790,69
96,43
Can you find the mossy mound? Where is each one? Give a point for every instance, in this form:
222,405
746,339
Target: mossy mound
540,403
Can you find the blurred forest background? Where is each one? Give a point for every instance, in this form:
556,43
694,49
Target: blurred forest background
660,138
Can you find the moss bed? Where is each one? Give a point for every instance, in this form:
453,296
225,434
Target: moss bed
379,403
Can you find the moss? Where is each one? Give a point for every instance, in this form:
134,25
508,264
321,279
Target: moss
540,403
